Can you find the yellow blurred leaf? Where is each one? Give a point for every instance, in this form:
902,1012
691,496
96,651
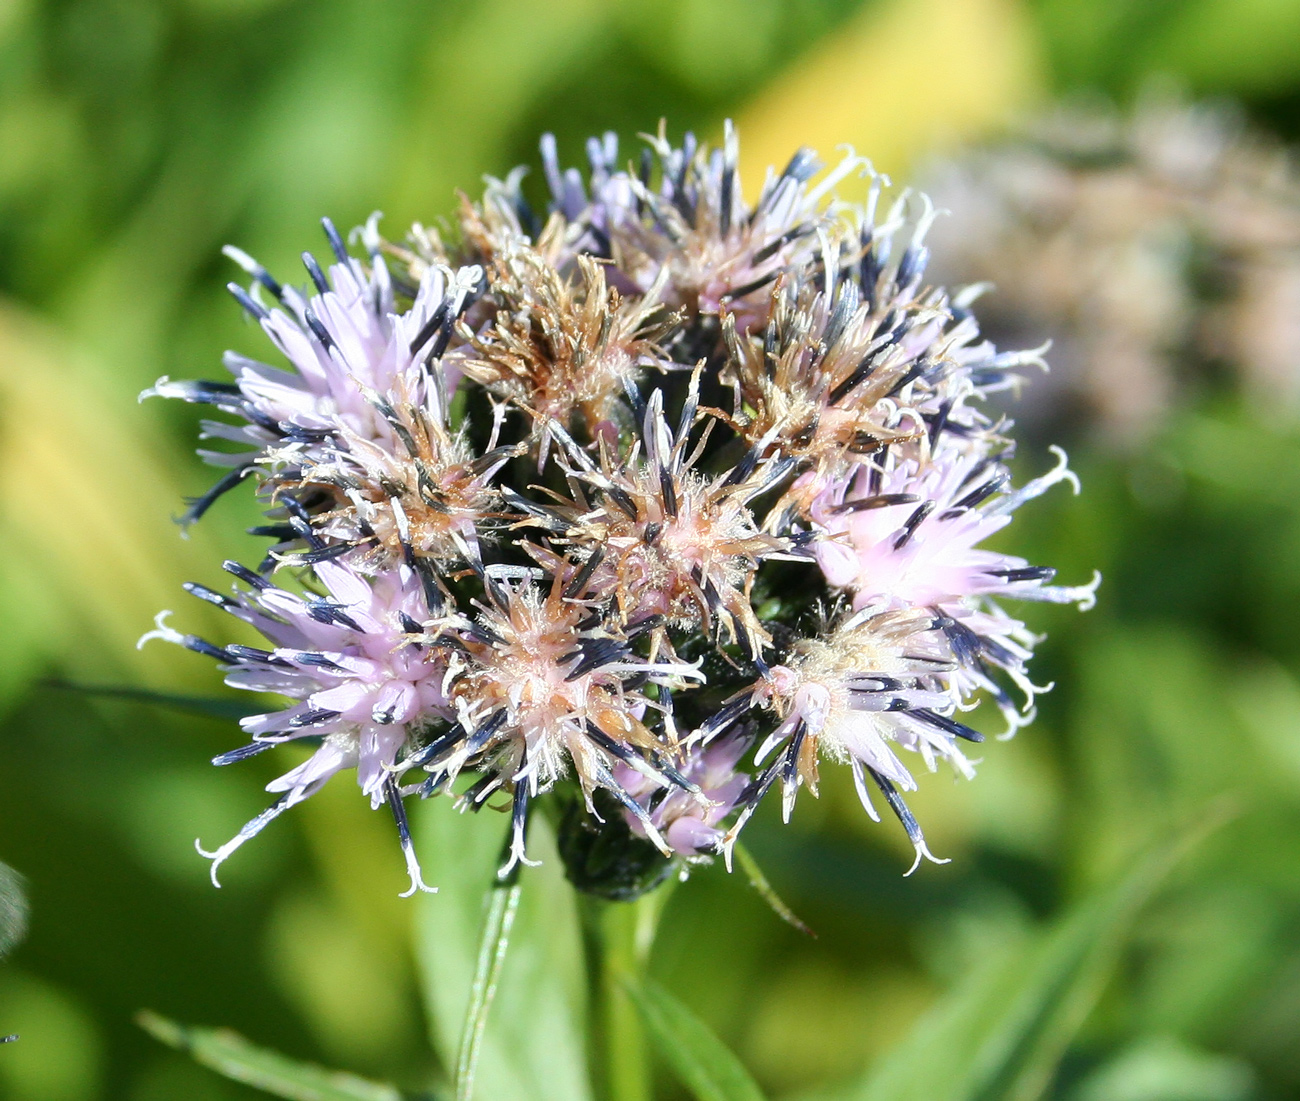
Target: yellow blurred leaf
901,78
85,504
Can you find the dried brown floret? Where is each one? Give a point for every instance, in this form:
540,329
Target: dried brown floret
562,348
544,683
820,381
424,494
665,541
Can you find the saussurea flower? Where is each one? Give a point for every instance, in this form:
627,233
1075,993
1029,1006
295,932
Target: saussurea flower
591,500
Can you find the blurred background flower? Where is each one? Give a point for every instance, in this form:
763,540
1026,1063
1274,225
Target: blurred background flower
139,136
1152,249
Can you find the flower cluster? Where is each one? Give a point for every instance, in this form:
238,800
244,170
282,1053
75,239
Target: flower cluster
1153,247
597,500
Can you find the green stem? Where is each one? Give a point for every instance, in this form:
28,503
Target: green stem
625,935
626,1063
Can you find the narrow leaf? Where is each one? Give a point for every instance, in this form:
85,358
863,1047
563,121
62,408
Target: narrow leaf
704,1063
532,1046
13,909
766,892
503,903
229,1054
209,706
1001,1033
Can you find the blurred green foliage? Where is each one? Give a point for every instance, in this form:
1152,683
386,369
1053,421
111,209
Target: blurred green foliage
138,136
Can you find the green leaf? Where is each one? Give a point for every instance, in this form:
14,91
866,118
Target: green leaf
1243,46
703,1062
765,890
13,909
1000,1034
533,1047
1160,1068
231,1055
503,905
208,706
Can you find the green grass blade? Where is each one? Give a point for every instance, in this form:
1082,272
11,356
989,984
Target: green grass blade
765,890
1000,1035
229,1054
532,1047
704,1063
503,904
13,909
210,707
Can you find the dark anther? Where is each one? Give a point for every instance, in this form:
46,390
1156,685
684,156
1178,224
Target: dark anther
911,265
803,165
317,276
641,626
984,492
1025,573
254,653
913,522
940,421
438,746
314,659
483,734
321,554
317,328
669,492
246,300
313,718
897,805
242,753
204,647
199,505
204,593
621,498
726,715
336,242
596,653
245,574
752,286
745,467
860,375
579,583
325,611
281,533
435,322
949,726
790,767
880,500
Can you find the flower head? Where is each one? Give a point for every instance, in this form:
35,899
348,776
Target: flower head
486,634
874,681
423,497
908,537
344,344
664,541
693,232
562,348
542,684
356,663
